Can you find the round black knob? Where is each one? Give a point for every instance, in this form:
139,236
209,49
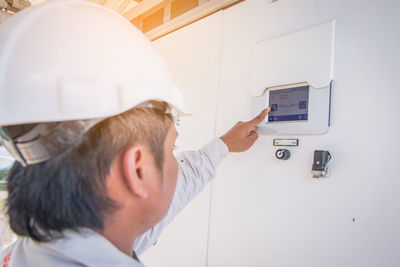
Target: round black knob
283,154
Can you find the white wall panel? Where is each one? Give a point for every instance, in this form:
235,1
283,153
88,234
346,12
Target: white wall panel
192,54
267,212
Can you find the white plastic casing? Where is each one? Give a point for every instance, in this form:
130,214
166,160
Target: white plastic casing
302,57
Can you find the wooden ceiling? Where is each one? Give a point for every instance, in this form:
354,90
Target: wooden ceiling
121,6
154,17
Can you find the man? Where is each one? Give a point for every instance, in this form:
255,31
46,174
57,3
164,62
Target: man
95,179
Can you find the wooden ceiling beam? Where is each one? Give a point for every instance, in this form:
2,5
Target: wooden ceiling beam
141,8
190,16
122,6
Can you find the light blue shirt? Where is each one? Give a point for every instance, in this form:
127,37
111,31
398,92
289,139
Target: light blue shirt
88,248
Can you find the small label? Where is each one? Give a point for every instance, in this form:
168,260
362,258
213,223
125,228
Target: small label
286,142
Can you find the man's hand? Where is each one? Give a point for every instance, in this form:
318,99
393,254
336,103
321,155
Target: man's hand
243,135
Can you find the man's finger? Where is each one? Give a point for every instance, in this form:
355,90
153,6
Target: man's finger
260,117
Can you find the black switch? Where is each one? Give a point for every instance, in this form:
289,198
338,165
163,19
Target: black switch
321,158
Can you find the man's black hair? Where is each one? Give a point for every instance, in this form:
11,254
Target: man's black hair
65,192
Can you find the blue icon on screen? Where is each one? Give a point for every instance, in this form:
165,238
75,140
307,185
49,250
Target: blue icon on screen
273,118
274,107
302,104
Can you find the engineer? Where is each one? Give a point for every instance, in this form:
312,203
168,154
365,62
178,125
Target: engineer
87,110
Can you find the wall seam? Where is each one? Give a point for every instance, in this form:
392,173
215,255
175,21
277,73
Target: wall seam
215,130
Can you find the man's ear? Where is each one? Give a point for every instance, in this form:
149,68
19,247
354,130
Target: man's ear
133,165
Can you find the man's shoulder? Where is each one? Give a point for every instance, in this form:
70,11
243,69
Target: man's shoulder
85,248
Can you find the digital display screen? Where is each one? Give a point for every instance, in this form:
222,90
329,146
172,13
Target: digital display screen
289,104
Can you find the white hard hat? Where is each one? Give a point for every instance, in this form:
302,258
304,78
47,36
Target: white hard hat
76,63
72,60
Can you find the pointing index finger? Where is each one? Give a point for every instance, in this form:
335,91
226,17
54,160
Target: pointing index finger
260,117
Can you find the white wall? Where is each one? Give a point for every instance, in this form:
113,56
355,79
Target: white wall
193,56
266,212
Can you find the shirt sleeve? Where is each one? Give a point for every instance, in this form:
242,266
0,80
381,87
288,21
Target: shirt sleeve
196,169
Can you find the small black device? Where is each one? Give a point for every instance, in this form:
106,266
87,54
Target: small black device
319,167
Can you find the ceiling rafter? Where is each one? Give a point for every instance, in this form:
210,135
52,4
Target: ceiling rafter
123,6
120,6
141,8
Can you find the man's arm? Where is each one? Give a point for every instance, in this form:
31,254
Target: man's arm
196,168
